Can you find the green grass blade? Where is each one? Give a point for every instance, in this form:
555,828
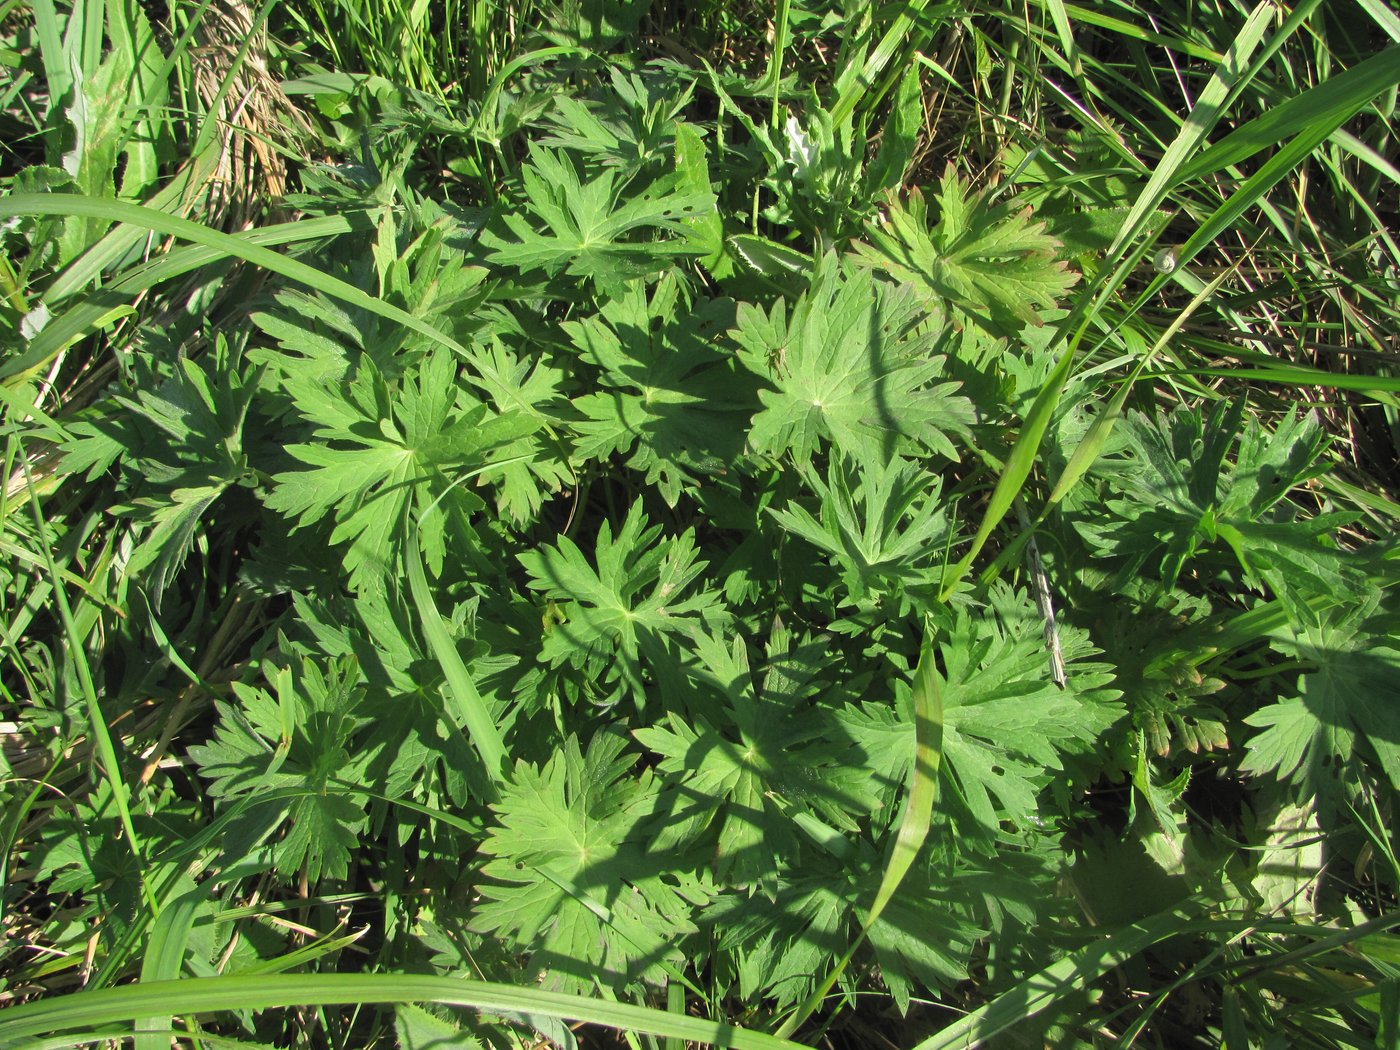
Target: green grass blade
97,721
461,690
88,267
1385,17
1378,386
1018,465
913,826
91,312
1381,72
1069,976
165,958
107,1006
1205,114
57,75
1315,113
515,65
774,76
854,87
1136,31
1087,452
67,204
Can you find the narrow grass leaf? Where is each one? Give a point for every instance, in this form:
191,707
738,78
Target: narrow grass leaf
913,825
1136,31
907,29
1382,73
1067,977
1385,17
68,204
1315,113
470,708
97,722
107,1006
1378,386
1205,114
1018,465
95,310
165,958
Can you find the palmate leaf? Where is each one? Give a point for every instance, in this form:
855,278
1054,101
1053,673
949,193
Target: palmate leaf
848,368
1006,723
622,609
532,468
1181,495
664,393
298,738
989,261
632,127
746,772
883,526
182,445
378,451
1352,694
572,881
597,227
781,944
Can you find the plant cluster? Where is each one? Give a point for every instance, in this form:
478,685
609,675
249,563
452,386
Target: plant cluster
639,531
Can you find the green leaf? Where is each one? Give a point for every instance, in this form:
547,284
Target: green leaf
298,738
532,468
664,393
378,451
851,368
621,610
1351,695
590,227
572,880
991,262
417,1029
747,771
884,526
1005,722
1181,496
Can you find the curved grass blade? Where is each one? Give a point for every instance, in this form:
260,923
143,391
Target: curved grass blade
1319,111
913,826
461,690
98,1009
69,204
1350,92
1018,465
97,721
92,312
1067,977
1206,113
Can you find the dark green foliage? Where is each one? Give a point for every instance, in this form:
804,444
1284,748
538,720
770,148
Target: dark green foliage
698,402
